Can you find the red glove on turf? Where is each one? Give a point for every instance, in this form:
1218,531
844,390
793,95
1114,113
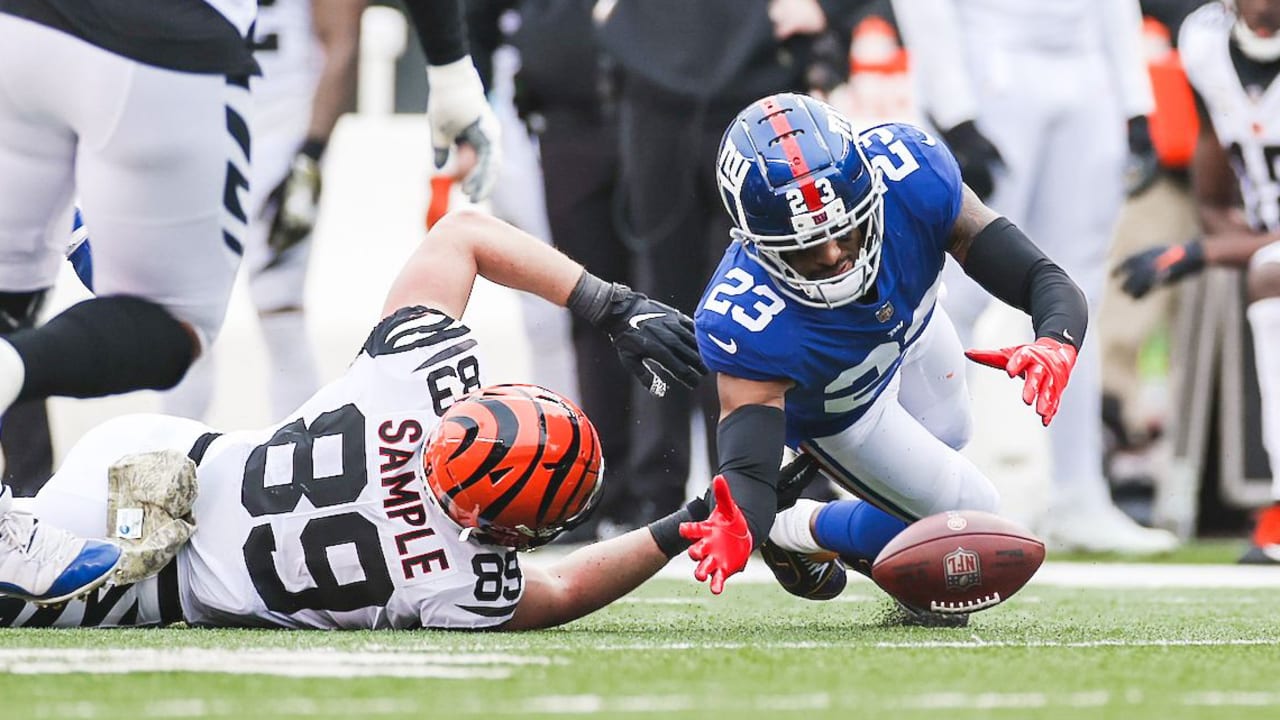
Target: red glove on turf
1045,364
722,542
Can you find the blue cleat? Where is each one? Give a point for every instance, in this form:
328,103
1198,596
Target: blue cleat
46,565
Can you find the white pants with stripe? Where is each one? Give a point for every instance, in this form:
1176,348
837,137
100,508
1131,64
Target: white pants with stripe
151,154
903,454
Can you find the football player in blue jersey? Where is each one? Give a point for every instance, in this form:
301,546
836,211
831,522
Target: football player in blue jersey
823,326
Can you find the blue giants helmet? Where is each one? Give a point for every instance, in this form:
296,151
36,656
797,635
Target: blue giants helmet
792,175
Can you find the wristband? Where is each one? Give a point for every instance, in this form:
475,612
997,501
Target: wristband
590,298
666,531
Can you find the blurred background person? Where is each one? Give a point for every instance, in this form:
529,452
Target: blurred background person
1050,88
686,69
1159,210
307,50
1232,57
567,92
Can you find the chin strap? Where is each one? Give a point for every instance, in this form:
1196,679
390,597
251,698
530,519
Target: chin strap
1255,46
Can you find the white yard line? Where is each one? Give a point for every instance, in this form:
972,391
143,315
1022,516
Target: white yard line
1052,574
314,662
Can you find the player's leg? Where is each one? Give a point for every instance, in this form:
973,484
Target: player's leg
1162,214
933,387
277,281
1072,217
1264,321
163,189
73,506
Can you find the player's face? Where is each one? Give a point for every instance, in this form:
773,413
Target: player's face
829,259
1262,16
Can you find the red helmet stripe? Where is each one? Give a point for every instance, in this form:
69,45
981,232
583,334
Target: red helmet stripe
781,124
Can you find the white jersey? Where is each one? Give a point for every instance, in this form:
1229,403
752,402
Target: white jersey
1246,120
287,50
321,521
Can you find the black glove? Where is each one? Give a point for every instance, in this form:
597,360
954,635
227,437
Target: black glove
296,204
1159,266
655,341
977,157
1143,165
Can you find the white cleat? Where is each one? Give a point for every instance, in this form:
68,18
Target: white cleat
43,564
1103,529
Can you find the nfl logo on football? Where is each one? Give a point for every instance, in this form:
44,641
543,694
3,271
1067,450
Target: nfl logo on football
961,569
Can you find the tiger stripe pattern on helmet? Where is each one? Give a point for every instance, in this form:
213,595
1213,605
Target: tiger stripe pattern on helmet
519,464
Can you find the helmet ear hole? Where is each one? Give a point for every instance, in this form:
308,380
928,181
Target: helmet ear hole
793,175
516,464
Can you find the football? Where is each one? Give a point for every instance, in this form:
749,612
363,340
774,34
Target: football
958,562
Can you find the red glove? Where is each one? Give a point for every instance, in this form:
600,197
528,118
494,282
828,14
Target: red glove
1045,364
722,541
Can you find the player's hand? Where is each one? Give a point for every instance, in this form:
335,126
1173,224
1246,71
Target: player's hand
722,542
654,340
1143,165
296,204
1045,365
458,113
1143,271
977,157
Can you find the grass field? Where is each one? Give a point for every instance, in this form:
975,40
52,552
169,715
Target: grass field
672,650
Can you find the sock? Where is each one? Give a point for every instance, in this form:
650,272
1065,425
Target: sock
192,397
855,529
291,368
791,531
1264,320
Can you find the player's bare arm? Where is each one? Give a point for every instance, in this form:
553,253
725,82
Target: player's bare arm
586,580
1007,264
1229,238
654,340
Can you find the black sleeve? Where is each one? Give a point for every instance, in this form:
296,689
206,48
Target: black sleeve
441,29
1005,262
750,442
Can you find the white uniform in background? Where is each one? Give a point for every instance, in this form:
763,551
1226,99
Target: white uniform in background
128,107
291,58
1247,123
320,521
1051,84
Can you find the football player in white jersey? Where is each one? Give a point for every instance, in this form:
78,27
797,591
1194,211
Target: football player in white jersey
394,498
140,112
1232,55
1051,85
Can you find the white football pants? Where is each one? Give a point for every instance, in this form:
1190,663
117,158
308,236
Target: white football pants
150,153
903,454
1060,131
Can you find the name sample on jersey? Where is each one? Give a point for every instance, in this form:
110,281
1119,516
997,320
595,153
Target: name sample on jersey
402,500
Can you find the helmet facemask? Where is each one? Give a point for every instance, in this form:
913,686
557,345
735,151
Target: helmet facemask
867,216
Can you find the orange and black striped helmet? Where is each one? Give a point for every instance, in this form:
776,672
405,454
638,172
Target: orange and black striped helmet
518,464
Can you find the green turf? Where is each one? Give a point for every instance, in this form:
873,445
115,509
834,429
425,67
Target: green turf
756,652
1200,552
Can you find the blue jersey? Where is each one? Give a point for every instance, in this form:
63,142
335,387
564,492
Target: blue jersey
842,358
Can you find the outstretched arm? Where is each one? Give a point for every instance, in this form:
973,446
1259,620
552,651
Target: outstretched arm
655,341
1004,261
591,578
586,580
